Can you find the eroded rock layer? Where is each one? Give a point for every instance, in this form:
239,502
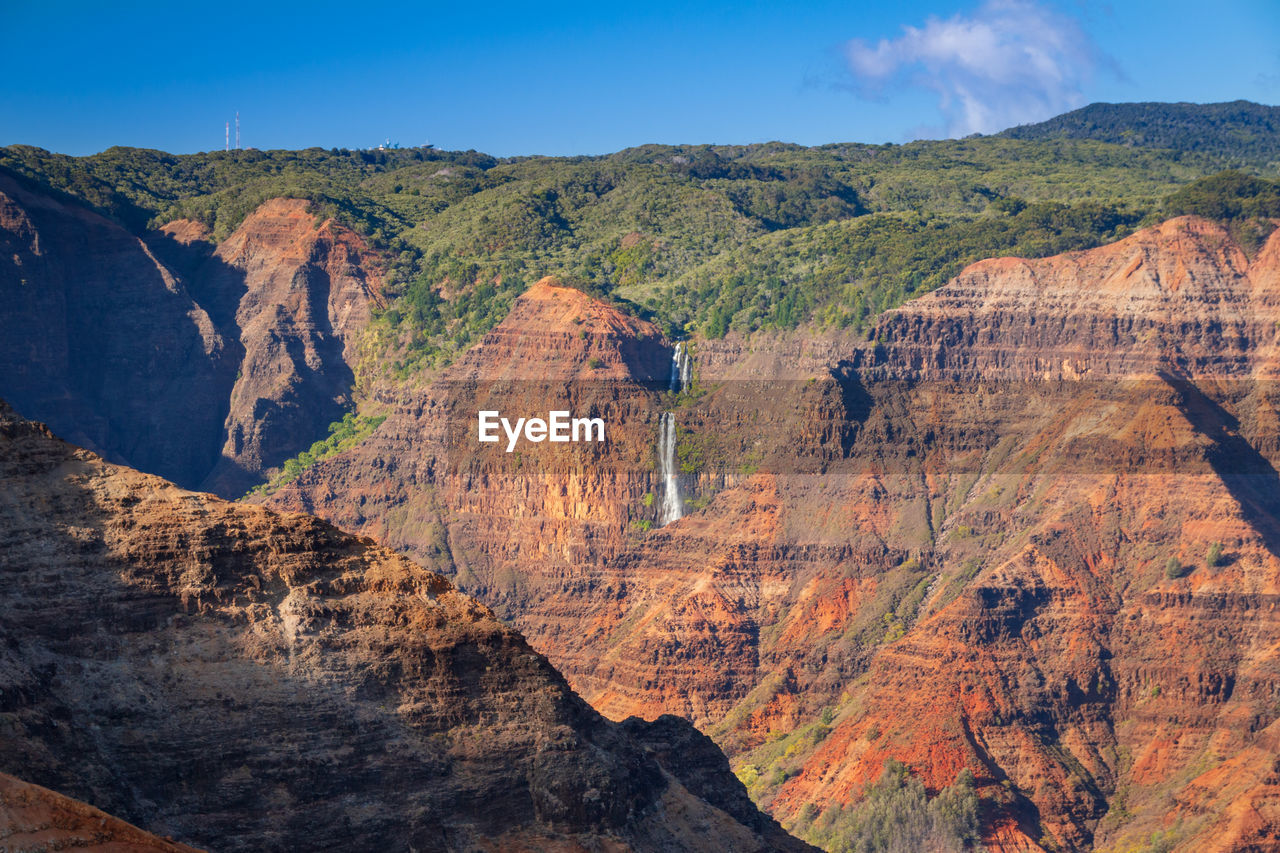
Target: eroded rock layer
33,819
1029,530
304,294
104,341
206,364
245,680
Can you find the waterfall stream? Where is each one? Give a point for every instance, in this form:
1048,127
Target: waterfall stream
672,507
681,369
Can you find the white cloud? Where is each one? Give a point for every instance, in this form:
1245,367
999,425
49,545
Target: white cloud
1010,62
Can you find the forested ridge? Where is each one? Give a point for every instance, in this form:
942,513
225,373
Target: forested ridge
1232,134
706,240
703,239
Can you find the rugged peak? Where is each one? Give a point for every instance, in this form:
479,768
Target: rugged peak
142,626
555,303
1179,296
297,294
284,231
1157,262
556,332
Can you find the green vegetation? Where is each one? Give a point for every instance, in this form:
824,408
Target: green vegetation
1245,204
894,605
690,451
1174,569
702,239
843,274
343,435
1238,133
896,815
1213,558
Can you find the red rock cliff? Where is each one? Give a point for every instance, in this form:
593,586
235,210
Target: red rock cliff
206,364
254,681
980,542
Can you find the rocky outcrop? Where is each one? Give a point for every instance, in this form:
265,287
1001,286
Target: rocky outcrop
104,341
978,542
305,292
36,819
424,483
246,680
1088,428
1181,297
207,364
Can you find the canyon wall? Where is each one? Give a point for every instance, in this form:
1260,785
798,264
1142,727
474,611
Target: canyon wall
206,364
977,541
246,680
104,341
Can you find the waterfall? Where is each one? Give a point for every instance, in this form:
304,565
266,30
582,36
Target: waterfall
681,369
671,507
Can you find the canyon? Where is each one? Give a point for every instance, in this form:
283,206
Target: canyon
248,680
208,364
1025,528
976,542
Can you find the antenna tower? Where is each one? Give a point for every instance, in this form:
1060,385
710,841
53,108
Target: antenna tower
237,130
228,142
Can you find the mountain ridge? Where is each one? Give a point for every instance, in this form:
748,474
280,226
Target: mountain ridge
977,485
299,687
1237,132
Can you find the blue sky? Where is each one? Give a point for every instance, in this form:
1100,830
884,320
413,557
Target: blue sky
577,78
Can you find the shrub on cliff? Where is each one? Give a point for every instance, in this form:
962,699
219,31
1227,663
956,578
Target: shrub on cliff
343,435
1213,558
895,815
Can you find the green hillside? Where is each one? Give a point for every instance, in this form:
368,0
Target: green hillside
704,239
1233,134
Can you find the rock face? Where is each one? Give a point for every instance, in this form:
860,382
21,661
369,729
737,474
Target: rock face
980,542
1088,428
305,294
208,365
245,680
104,341
37,819
494,516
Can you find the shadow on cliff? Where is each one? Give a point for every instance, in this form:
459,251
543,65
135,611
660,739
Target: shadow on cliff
241,684
103,340
1248,475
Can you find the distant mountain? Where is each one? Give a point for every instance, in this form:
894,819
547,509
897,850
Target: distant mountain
1238,132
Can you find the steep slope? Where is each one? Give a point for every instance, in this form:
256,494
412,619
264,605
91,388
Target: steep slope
104,341
1096,424
298,293
423,482
252,681
208,365
951,547
37,819
1097,664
